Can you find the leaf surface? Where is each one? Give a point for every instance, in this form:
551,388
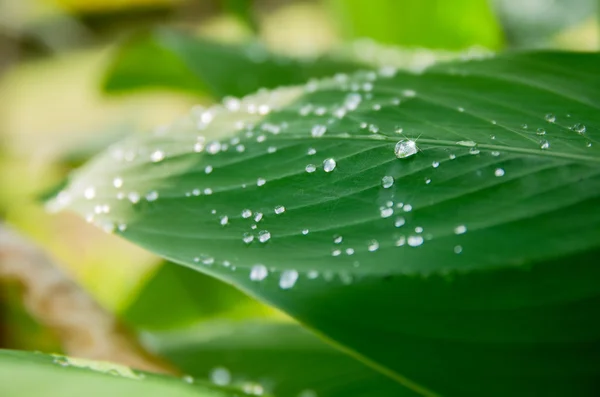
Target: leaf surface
466,267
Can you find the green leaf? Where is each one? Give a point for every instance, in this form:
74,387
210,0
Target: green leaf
285,358
175,60
197,295
436,24
473,273
24,374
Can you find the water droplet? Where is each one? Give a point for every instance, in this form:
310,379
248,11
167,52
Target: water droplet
271,149
415,241
550,118
349,251
280,209
544,144
247,238
387,181
208,191
435,164
495,153
499,172
264,236
208,169
524,126
579,128
407,208
305,231
288,279
224,220
220,376
336,252
474,151
457,249
318,130
187,379
260,181
329,165
418,229
133,197
152,196
399,222
258,216
213,147
460,109
461,229
373,246
338,239
311,151
89,193
310,168
401,241
312,274
258,273
540,131
118,182
405,148
386,212
157,156
246,213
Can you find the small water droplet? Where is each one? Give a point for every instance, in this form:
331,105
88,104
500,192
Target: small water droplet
457,249
208,169
288,279
474,151
213,147
280,209
435,164
550,118
258,272
260,181
329,165
338,239
187,379
220,376
152,196
305,231
460,229
312,274
540,131
224,220
349,251
318,130
311,151
258,216
400,221
208,191
89,193
460,109
415,241
387,181
499,172
579,128
407,207
524,126
247,238
336,252
246,213
373,246
157,156
418,229
118,182
495,153
386,212
310,168
466,143
264,236
271,149
133,197
544,144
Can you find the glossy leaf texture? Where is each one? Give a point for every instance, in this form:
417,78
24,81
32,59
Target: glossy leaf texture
443,226
285,358
170,59
24,374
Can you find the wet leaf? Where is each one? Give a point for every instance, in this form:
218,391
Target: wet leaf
442,226
36,374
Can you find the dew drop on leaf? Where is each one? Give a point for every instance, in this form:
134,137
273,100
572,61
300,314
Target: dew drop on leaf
387,181
329,165
405,148
579,128
540,131
461,229
551,118
288,279
318,130
264,236
544,144
220,376
280,209
310,168
258,273
157,156
415,241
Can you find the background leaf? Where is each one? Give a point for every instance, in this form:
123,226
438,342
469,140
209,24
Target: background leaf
470,261
35,374
169,59
285,358
427,23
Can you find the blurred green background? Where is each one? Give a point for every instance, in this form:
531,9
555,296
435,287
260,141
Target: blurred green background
55,112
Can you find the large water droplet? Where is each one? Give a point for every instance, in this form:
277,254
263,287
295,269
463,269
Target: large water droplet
405,148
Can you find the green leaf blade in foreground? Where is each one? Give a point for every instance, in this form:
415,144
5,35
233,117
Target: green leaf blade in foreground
285,358
24,374
466,268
